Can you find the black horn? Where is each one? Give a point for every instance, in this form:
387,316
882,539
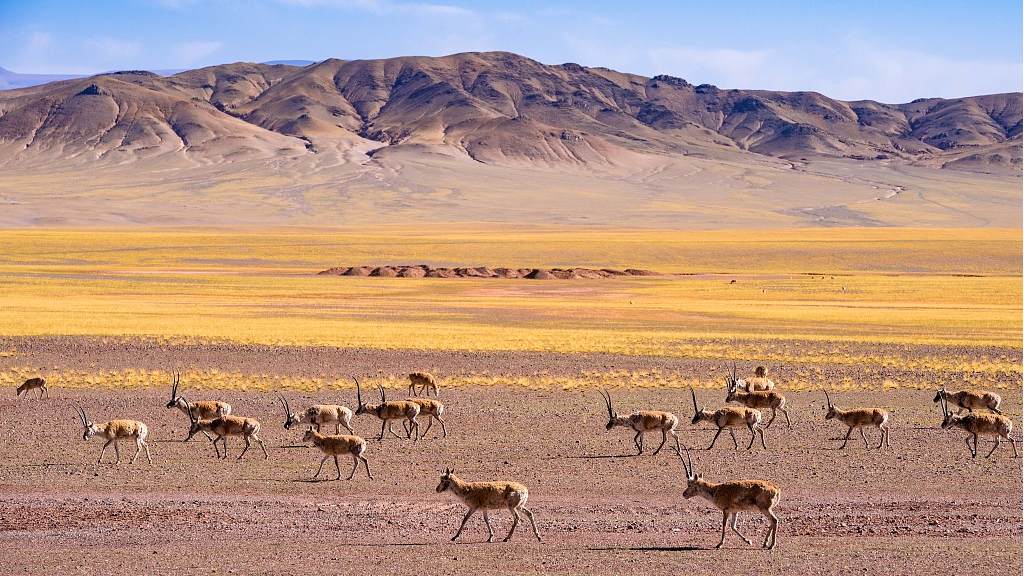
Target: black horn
608,403
359,391
694,396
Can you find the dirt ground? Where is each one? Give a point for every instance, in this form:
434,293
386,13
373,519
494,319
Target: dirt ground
922,506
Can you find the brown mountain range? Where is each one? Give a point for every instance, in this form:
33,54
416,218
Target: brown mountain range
497,108
403,124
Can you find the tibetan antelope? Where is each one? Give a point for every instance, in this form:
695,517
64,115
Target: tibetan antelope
224,426
734,497
488,496
113,432
979,425
317,415
33,384
970,400
860,418
336,446
432,408
759,383
425,381
642,422
730,418
204,409
763,399
388,411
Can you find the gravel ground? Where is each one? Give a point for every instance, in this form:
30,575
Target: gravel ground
922,506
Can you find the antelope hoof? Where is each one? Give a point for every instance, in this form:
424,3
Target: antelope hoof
719,545
454,537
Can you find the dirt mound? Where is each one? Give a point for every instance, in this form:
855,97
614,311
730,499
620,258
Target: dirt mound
424,271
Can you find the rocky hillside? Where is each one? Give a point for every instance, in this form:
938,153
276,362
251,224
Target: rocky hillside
496,108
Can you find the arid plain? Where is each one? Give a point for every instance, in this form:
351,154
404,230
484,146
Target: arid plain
157,225
880,317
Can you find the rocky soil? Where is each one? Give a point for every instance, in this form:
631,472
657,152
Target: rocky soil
921,506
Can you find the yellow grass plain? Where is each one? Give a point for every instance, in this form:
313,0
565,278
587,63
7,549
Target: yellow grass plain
245,285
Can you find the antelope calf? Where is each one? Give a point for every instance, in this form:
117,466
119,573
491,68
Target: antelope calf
336,446
642,422
318,415
224,426
764,399
980,425
432,408
203,409
388,411
425,381
734,497
730,418
33,384
860,418
970,400
758,383
488,496
113,432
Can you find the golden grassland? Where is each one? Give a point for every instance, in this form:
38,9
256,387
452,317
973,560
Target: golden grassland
806,379
244,285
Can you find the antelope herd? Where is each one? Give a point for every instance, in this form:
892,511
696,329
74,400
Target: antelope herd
731,496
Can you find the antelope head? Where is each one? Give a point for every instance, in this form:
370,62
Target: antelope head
309,435
698,413
612,415
446,479
731,386
290,418
940,395
174,391
693,479
88,428
832,412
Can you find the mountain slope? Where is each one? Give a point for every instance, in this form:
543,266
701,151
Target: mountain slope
496,108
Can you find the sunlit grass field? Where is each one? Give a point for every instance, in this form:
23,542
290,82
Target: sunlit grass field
260,286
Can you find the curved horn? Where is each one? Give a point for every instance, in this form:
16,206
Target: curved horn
381,388
174,387
687,464
284,404
81,414
827,399
734,371
359,391
608,403
188,407
694,395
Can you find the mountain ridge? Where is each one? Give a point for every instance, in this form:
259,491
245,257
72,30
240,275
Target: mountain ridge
501,108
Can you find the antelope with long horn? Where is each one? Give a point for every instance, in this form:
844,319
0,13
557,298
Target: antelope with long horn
642,422
730,418
224,426
976,424
860,418
388,411
203,409
336,446
431,408
970,400
425,381
733,497
758,400
33,384
115,431
488,496
317,415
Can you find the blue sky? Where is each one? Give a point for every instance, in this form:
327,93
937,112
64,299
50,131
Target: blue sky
890,51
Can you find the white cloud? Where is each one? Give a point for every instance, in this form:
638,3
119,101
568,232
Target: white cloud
39,41
113,48
188,53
